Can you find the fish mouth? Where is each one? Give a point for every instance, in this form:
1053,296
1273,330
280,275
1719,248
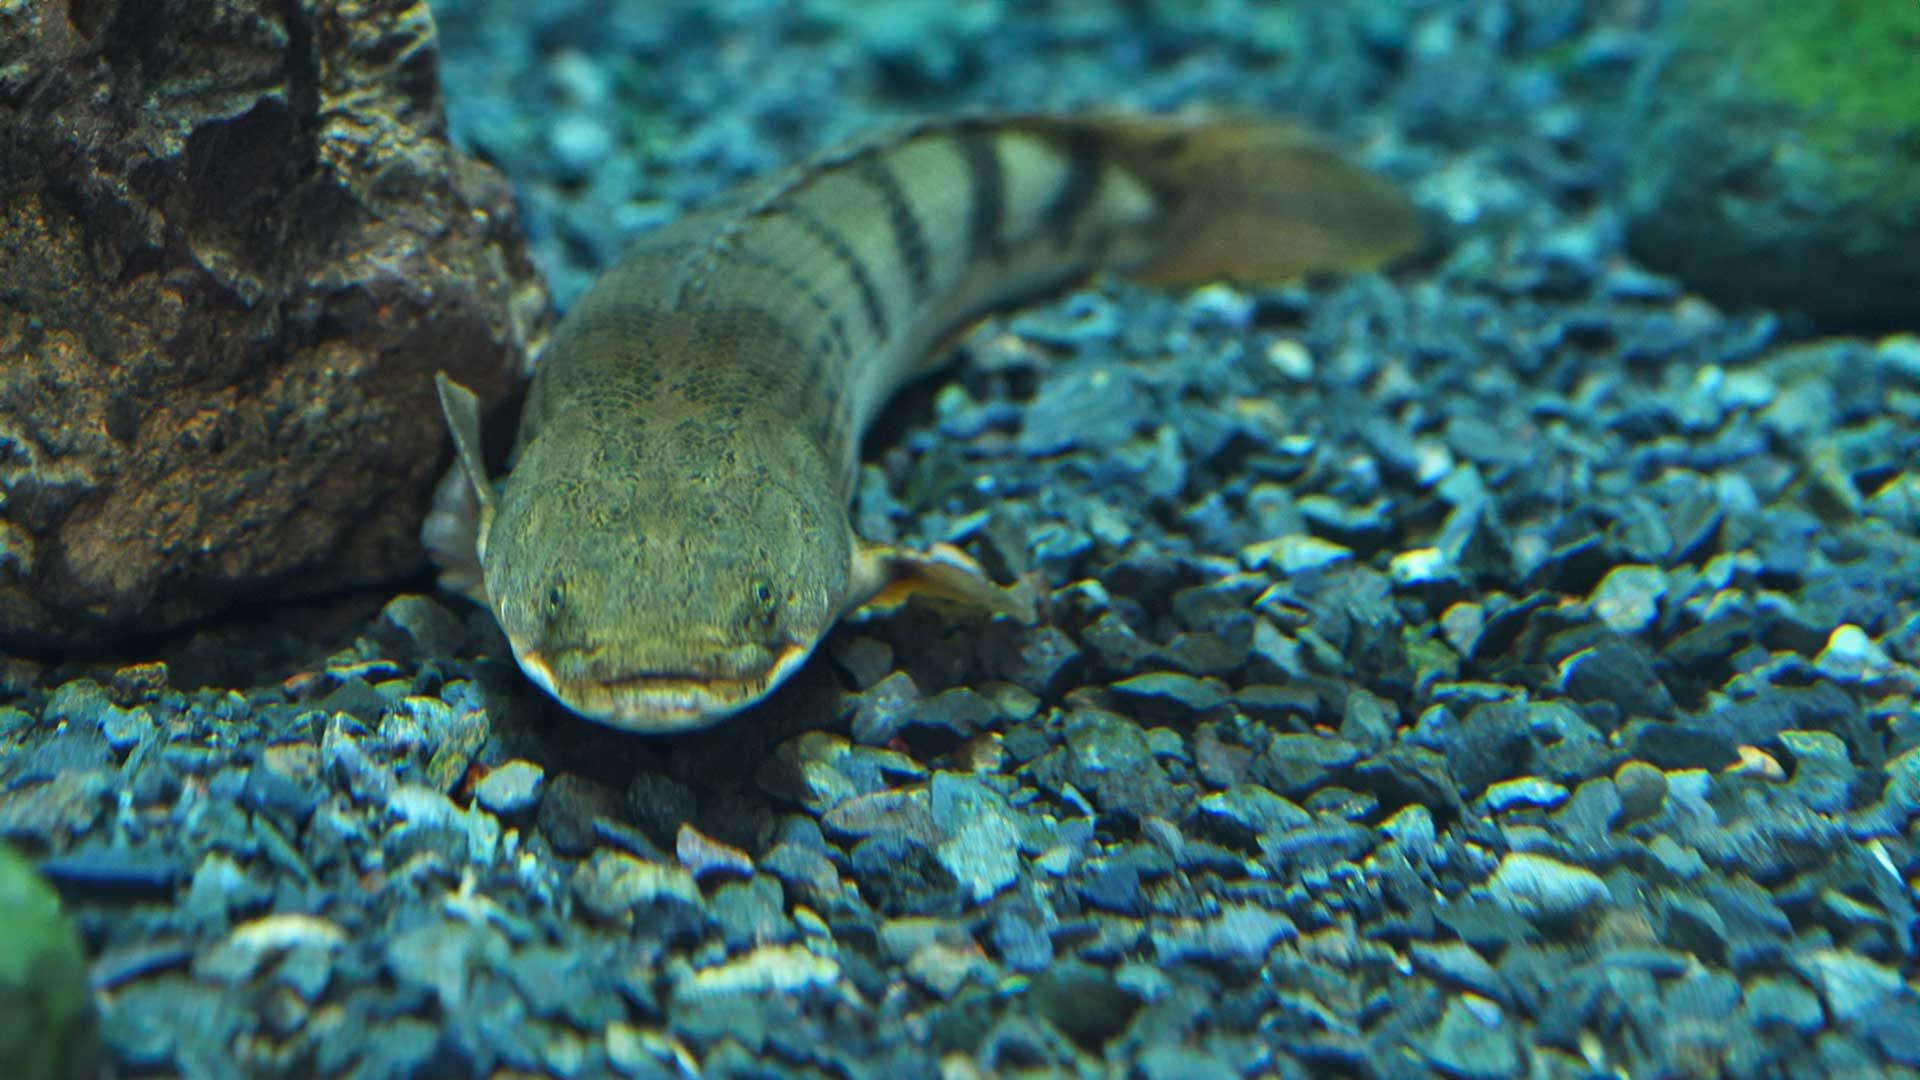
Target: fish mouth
665,701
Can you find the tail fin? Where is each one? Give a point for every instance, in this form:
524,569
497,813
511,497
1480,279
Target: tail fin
1258,201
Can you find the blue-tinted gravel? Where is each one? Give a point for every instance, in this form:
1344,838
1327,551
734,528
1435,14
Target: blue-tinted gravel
1500,668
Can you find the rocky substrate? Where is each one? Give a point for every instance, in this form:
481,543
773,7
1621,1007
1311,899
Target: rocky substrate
1501,668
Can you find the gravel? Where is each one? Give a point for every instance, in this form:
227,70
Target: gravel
1503,667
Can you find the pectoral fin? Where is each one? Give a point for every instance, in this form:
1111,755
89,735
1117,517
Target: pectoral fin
455,530
462,410
885,576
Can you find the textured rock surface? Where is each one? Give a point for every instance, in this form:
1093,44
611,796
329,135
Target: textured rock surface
234,245
1777,164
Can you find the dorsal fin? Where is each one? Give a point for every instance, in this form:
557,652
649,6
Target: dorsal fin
462,410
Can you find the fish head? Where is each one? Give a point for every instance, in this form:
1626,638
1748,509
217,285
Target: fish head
671,581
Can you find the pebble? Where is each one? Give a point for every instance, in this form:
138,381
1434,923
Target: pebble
1167,695
708,859
1628,598
108,873
1642,789
942,970
1240,933
1291,555
1511,651
617,887
425,627
1457,964
982,845
1851,656
511,789
784,969
1851,985
1537,887
238,957
1524,791
1249,811
1473,1044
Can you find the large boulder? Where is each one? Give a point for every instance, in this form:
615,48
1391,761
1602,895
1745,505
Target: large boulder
235,244
1776,157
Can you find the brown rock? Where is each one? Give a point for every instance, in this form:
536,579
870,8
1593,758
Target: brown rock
234,246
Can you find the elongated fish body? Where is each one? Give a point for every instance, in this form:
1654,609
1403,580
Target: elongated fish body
672,539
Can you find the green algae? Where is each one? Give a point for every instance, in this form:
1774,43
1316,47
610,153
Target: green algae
1776,157
1850,62
46,1013
1838,76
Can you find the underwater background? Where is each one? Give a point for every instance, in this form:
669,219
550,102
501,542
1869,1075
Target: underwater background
1500,665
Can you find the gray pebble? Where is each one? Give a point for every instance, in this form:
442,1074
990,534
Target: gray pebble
1240,933
1852,985
1167,695
1524,791
1539,887
1474,1044
1628,598
512,789
423,625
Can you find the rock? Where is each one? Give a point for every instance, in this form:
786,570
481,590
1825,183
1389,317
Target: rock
1108,759
770,968
1784,1001
1538,887
1524,791
1167,695
751,914
420,627
139,683
1771,167
942,969
1240,934
47,1026
616,887
1083,1002
569,808
1094,407
99,872
709,859
1852,656
1474,1044
1852,985
1642,789
981,849
223,314
1020,944
1628,598
237,957
1456,964
512,789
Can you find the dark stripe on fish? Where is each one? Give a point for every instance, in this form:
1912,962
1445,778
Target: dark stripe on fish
987,189
836,326
909,236
829,238
1085,164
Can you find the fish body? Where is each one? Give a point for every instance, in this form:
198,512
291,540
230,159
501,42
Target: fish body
672,538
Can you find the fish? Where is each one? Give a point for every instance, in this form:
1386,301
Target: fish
672,537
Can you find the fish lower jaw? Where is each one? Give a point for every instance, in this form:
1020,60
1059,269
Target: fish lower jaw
661,703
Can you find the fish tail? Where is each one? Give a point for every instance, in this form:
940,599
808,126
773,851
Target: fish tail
1255,201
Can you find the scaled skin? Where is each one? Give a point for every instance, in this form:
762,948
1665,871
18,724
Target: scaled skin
727,531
